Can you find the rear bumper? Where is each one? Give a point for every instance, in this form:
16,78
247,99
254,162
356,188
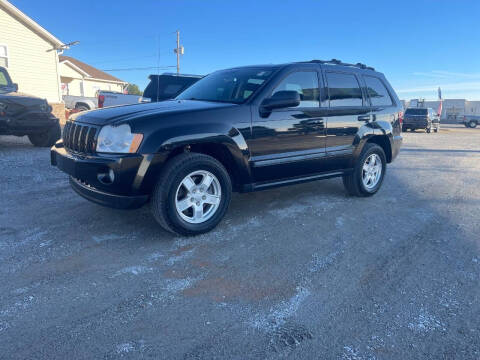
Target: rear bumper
396,145
415,124
89,176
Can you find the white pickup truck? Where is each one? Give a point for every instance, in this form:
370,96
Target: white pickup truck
111,98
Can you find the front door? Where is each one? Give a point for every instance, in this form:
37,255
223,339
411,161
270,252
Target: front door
290,142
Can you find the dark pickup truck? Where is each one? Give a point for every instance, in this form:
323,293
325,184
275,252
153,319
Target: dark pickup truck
22,114
242,129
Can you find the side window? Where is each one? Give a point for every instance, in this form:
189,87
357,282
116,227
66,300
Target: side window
306,84
3,56
343,90
377,92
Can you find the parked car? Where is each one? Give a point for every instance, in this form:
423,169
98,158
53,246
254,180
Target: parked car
242,129
167,86
80,103
421,118
470,121
161,87
22,114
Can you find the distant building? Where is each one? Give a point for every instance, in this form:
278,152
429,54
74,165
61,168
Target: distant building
80,79
451,108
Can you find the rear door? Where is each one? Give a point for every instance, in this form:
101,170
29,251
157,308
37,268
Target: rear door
347,113
290,142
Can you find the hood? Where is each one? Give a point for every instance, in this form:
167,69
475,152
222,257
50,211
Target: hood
21,99
113,114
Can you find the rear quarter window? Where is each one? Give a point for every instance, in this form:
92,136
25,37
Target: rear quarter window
377,92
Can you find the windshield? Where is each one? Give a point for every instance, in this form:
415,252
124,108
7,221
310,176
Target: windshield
416,112
5,82
232,86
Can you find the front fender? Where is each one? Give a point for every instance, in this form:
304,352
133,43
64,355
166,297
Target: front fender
170,139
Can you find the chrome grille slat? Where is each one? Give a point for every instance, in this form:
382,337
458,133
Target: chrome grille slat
80,138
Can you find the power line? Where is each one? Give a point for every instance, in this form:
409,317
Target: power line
141,68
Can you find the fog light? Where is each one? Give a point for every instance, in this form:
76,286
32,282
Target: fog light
111,174
106,178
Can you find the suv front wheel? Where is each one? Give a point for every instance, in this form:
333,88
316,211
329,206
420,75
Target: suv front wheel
192,194
368,173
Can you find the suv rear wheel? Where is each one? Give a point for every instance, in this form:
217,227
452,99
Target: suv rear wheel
47,138
367,176
472,124
192,194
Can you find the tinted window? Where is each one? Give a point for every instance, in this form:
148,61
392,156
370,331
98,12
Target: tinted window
377,92
3,79
233,86
306,84
413,111
162,87
343,90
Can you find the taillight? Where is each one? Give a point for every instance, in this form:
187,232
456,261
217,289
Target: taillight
400,117
101,100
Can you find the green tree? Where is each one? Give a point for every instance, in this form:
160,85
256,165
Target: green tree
133,89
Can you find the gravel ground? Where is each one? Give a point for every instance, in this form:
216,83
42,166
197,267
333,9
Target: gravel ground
299,272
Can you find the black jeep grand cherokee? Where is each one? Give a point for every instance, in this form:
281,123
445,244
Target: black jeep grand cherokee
241,129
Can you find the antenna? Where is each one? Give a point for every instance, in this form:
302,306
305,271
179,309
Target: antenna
64,46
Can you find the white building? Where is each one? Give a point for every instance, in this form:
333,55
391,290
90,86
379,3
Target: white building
28,52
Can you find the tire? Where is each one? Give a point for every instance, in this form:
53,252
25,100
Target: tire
472,124
169,185
353,182
428,130
412,130
48,138
82,108
436,129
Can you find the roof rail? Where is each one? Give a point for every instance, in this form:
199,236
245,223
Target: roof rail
339,62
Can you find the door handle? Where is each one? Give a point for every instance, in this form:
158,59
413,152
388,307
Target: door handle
364,118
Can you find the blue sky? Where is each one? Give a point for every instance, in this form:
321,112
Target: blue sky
419,45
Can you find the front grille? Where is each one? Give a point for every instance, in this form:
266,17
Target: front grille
79,138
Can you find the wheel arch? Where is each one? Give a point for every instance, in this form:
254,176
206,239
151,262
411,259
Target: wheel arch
384,142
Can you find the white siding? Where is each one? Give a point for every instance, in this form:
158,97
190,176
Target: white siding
29,63
91,86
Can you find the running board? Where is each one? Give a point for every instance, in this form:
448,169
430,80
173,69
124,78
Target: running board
291,181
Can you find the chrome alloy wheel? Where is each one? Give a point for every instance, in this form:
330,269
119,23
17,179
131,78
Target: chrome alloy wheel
372,171
198,197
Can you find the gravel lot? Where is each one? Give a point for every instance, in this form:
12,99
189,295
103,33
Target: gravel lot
299,272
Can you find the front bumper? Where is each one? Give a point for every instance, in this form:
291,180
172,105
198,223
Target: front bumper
25,124
88,176
107,199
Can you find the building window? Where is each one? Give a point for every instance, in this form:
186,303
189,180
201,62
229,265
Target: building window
3,56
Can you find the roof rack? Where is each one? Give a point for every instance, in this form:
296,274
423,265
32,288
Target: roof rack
339,62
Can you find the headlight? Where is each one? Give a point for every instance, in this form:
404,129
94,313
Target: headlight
118,139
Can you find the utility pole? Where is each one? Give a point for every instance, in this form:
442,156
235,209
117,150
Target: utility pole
179,50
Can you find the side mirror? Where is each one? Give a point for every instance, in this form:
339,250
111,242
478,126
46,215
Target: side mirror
281,99
15,87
